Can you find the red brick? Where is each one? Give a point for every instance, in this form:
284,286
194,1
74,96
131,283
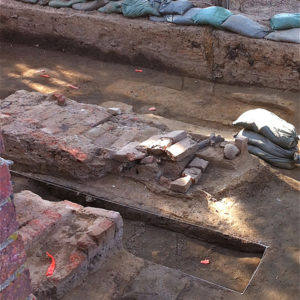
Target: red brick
8,223
11,258
19,289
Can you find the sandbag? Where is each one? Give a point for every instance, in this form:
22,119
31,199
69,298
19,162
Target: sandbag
289,36
269,125
89,6
280,162
112,7
266,145
175,7
138,8
185,19
213,15
245,26
285,21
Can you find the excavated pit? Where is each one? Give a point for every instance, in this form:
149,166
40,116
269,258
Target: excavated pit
232,261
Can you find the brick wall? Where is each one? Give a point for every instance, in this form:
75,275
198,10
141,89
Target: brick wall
14,277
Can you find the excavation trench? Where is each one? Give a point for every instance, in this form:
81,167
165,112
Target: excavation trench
232,262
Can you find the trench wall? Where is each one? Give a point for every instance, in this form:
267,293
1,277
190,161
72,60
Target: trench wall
200,52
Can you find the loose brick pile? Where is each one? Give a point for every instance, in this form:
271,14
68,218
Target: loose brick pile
80,240
14,276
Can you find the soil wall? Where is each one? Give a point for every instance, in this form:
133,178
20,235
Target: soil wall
200,52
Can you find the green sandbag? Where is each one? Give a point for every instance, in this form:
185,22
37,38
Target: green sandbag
62,3
285,21
213,15
112,7
138,8
269,125
280,162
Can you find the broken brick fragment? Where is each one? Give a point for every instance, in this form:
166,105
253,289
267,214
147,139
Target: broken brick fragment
181,185
199,163
194,173
182,149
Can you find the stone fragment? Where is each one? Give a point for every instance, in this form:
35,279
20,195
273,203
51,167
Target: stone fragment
194,173
125,108
199,163
128,153
242,143
148,160
231,151
182,149
181,185
114,111
155,145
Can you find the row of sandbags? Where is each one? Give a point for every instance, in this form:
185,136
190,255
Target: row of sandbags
183,12
270,137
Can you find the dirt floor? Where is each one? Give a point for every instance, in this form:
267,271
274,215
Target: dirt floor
263,207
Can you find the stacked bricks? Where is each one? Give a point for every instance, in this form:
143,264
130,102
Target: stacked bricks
14,277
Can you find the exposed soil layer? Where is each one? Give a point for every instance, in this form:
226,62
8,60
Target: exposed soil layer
197,51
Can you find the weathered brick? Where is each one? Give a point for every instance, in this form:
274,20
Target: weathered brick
173,169
194,173
199,163
101,229
11,258
175,136
8,223
155,145
128,153
86,244
182,149
181,185
19,289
